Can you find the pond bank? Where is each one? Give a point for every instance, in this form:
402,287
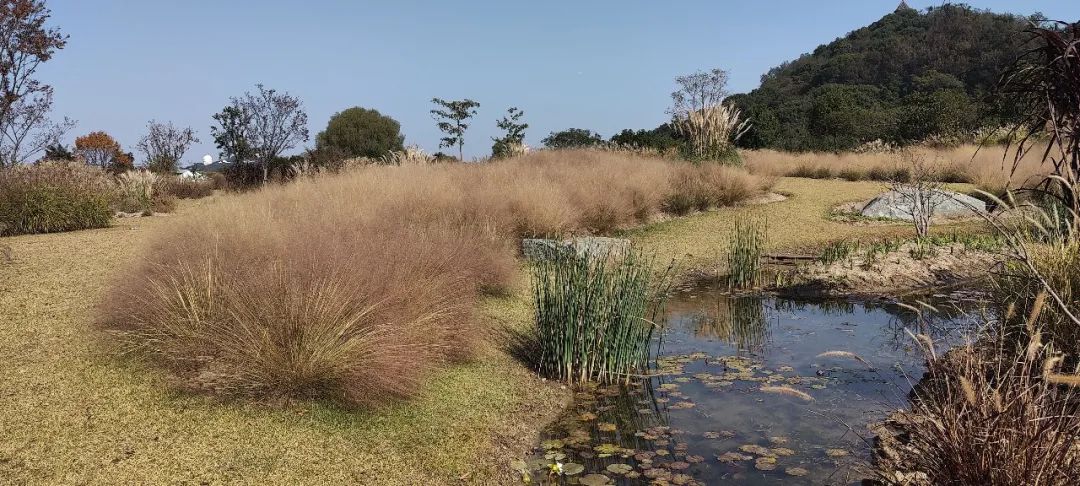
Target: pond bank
748,390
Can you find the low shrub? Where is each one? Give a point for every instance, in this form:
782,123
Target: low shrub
707,186
51,197
188,188
143,192
851,175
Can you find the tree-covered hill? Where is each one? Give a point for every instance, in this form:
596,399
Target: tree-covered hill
908,76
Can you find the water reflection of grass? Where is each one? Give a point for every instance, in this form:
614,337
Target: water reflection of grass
824,307
738,321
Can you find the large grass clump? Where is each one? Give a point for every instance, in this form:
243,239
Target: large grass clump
51,197
594,314
299,292
353,286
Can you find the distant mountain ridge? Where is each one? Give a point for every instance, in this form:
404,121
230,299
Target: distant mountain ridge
908,76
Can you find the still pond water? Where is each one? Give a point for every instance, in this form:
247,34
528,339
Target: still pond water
750,390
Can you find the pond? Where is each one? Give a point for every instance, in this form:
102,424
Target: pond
751,390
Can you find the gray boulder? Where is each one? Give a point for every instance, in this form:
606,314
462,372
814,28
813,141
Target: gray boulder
536,249
947,205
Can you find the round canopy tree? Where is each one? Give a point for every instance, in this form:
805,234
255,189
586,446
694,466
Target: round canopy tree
360,132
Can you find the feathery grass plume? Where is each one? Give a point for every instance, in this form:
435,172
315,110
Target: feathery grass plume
968,389
745,247
595,313
1059,379
712,131
845,355
787,391
412,155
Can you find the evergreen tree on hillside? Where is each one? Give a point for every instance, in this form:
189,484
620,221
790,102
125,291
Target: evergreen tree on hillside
905,77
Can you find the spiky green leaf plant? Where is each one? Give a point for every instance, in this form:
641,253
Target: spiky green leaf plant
596,312
745,247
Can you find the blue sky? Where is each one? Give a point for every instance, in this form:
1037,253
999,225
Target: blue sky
602,65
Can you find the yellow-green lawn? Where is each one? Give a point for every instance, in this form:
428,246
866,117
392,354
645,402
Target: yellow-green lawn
72,412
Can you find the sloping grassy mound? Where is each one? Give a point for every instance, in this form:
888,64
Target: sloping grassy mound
353,287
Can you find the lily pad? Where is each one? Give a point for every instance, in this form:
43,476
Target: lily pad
607,448
538,463
836,452
606,427
594,480
682,479
694,459
519,466
782,451
755,450
733,457
765,466
552,444
587,417
796,471
619,469
555,456
658,473
678,465
572,469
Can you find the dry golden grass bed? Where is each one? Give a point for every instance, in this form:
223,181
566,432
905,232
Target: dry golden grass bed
71,412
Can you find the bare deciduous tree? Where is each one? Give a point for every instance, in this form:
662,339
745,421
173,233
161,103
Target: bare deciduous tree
920,194
164,145
26,129
25,43
698,112
276,122
699,91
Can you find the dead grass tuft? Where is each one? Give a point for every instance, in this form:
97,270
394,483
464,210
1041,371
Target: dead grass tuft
985,417
988,168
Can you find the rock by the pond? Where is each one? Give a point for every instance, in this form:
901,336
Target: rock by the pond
537,249
946,204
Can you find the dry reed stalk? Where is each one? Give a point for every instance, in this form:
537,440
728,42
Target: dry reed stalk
845,355
787,391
